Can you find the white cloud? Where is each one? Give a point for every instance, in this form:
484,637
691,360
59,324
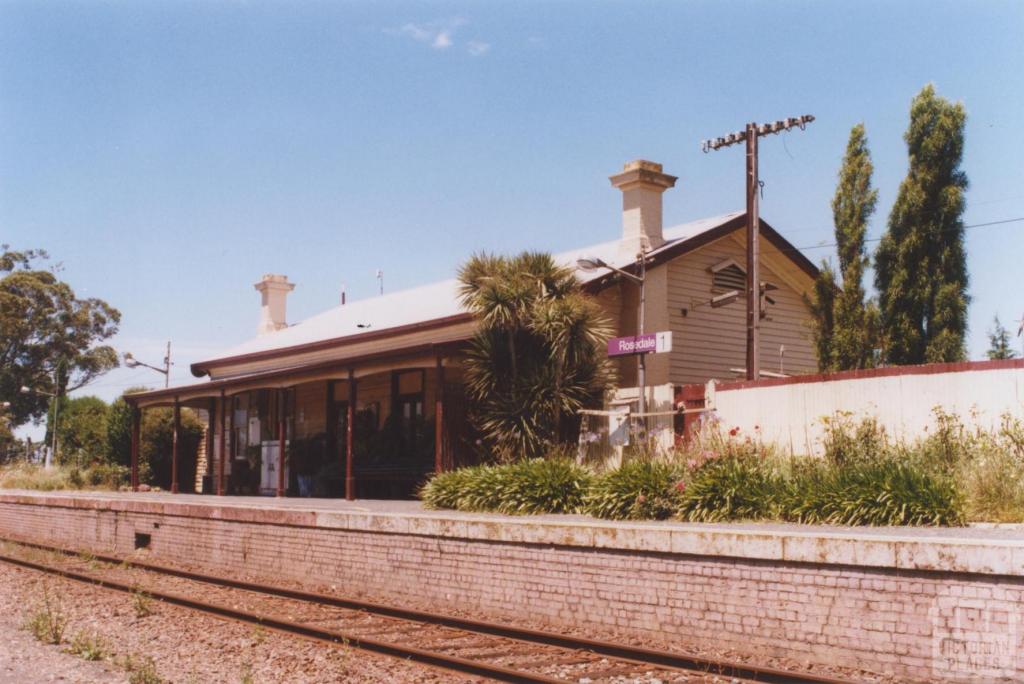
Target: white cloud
442,41
439,35
478,48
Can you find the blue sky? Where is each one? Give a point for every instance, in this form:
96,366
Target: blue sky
169,153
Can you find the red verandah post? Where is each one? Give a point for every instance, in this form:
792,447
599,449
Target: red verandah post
439,418
350,480
223,445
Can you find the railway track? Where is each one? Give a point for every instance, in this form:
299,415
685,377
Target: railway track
494,651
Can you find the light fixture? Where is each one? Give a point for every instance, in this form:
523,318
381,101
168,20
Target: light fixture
590,263
131,362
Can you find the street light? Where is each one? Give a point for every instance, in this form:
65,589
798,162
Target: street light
52,454
592,263
133,362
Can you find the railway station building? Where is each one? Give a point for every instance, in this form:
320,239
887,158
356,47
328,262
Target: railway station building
365,399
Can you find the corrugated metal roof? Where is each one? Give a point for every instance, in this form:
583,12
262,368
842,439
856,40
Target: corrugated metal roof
432,301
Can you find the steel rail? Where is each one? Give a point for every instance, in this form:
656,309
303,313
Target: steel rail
636,654
335,637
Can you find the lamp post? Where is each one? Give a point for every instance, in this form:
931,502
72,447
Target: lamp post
52,454
590,263
132,362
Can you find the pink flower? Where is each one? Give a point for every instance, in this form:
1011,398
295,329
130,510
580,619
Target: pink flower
735,431
709,455
681,486
691,464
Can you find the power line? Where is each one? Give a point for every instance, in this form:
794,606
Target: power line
878,239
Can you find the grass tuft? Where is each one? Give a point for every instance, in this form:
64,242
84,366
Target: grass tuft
88,646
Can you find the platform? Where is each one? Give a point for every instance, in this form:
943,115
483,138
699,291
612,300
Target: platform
987,549
921,604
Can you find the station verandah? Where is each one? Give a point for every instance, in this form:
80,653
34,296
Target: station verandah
376,429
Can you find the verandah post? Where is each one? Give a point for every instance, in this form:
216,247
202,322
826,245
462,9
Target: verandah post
223,445
175,442
210,431
282,399
350,480
439,418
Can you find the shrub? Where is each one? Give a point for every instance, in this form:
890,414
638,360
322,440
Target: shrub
544,486
638,490
881,491
107,476
731,487
527,487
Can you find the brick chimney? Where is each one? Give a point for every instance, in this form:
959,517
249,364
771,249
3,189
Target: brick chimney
273,291
641,183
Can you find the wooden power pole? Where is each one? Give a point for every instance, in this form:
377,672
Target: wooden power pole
750,135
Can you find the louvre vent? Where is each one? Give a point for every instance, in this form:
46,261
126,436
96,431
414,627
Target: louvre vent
730,277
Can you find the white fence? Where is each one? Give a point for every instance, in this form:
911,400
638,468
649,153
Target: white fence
788,411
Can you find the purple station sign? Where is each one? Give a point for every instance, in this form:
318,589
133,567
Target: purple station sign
650,343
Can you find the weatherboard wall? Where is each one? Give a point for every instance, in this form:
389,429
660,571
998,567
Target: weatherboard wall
708,342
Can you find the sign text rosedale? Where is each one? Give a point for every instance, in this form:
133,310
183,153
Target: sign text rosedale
650,343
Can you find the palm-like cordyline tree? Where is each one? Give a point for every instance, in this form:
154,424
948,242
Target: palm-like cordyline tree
538,354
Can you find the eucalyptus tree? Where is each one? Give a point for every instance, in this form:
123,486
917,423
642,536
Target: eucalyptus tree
49,338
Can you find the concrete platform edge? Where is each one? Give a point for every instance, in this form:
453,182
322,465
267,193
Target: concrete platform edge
902,552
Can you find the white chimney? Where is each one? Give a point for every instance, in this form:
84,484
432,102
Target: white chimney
641,183
273,291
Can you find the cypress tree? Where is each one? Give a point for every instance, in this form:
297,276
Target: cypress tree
921,265
845,327
854,202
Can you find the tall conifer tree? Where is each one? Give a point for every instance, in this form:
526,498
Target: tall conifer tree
845,327
856,323
920,265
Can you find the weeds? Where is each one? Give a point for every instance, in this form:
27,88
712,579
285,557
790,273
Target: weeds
141,670
48,621
88,646
259,635
23,475
142,603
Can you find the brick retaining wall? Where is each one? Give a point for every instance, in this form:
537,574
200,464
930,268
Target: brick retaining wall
921,624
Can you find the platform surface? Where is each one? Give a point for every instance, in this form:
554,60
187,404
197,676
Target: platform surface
986,549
